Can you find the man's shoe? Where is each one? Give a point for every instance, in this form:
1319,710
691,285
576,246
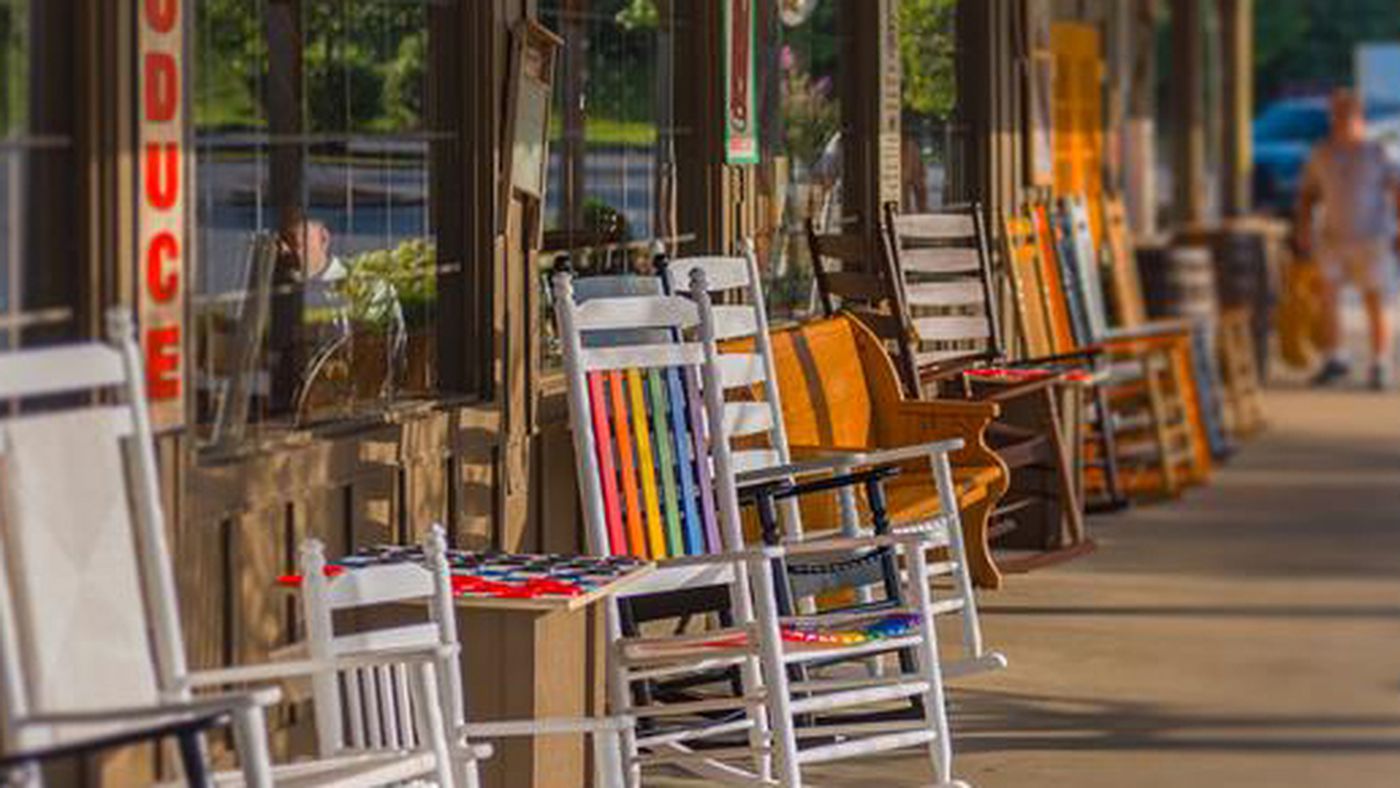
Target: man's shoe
1330,373
1380,378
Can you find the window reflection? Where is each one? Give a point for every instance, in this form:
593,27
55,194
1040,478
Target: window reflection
315,150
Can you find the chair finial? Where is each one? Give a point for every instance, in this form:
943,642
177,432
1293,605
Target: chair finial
435,546
313,558
120,327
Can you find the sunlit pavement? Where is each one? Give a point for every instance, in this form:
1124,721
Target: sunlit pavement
1248,634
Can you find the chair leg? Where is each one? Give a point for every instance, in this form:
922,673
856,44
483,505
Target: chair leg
192,758
432,727
250,738
607,759
1108,446
977,550
780,723
935,706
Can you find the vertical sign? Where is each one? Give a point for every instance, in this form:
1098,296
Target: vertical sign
161,207
740,82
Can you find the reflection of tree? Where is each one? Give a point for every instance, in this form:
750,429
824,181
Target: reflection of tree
364,63
927,47
811,114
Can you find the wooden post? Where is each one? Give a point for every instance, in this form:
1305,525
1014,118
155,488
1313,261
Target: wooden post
705,190
1188,127
1237,18
1140,143
870,107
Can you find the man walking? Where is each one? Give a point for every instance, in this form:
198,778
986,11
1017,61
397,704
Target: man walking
1357,187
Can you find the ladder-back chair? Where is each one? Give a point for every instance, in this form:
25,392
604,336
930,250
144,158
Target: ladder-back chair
746,351
92,638
939,270
372,704
656,479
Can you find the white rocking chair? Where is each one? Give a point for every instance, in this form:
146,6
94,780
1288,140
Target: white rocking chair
656,477
90,637
370,702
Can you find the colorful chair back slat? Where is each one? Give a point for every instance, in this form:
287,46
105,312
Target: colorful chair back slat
665,464
646,466
607,469
1061,321
645,451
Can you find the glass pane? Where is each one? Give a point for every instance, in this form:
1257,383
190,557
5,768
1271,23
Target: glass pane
13,110
315,149
808,150
38,176
928,56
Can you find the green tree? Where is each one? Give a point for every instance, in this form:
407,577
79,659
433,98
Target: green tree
927,55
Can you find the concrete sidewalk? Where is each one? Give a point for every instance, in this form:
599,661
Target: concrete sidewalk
1247,635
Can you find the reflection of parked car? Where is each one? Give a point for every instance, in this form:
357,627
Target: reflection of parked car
1284,133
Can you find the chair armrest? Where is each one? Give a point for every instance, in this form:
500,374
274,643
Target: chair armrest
1010,392
1156,328
182,725
277,671
542,727
950,370
208,705
829,459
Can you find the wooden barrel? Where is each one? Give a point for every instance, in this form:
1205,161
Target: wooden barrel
1179,281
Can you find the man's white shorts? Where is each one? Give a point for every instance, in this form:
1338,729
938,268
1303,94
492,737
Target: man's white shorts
1368,265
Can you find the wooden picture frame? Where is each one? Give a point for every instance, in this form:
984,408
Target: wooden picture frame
534,56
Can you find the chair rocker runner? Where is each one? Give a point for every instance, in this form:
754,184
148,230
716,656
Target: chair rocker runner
746,347
657,480
368,704
92,645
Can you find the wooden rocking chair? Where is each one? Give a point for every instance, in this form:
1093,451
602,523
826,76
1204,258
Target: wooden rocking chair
91,646
657,479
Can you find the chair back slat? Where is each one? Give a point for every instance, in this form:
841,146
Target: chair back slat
1081,262
1130,310
945,294
607,469
640,357
28,373
71,566
946,226
635,312
939,260
1046,234
1029,291
627,459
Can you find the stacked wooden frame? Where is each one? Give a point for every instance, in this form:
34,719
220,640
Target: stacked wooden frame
1147,371
657,479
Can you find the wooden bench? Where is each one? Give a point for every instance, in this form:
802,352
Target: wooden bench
841,393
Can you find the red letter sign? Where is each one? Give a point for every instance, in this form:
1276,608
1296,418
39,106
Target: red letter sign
161,213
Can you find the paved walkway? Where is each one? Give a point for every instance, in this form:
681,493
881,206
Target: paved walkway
1247,635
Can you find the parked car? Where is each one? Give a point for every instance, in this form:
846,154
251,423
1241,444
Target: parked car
1284,134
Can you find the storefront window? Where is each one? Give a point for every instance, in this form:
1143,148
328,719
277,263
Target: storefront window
37,174
317,145
612,139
